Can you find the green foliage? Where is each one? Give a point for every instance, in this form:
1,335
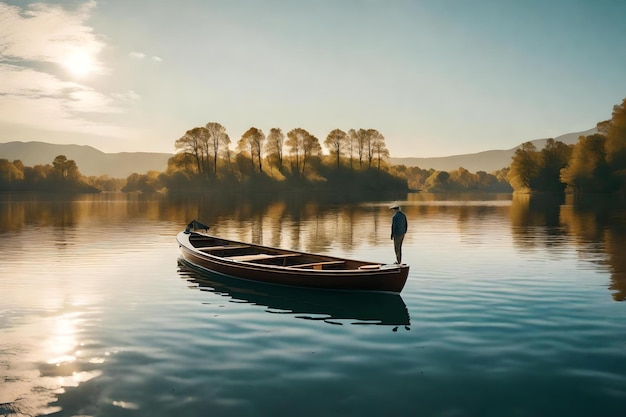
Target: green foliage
274,148
106,183
336,142
295,159
204,145
437,181
368,145
588,169
61,177
65,169
598,162
414,176
9,172
552,159
344,180
539,171
460,180
303,147
251,145
145,183
615,132
524,168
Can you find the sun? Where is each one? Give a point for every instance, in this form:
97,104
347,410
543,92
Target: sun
79,64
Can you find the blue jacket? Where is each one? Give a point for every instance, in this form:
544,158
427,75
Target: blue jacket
399,224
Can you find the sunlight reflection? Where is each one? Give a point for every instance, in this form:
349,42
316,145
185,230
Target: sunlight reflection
44,360
76,378
126,405
63,339
62,360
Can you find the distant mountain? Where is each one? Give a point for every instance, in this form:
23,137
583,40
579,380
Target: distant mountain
90,161
488,161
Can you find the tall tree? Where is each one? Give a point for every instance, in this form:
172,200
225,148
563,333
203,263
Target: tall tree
295,143
218,140
588,169
274,147
370,135
252,141
10,172
336,144
463,179
552,159
193,142
302,146
524,168
359,139
351,146
65,169
615,132
379,149
312,149
244,153
182,162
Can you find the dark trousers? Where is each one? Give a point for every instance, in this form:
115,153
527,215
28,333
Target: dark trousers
397,246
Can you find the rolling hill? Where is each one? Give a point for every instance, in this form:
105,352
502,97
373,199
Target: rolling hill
90,160
487,161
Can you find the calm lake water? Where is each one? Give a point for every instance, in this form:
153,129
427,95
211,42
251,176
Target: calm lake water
513,307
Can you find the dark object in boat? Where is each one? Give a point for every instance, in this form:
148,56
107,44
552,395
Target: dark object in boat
284,267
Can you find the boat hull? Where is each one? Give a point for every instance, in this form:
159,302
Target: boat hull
357,307
385,278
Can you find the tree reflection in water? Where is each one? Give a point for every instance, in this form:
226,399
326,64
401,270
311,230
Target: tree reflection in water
595,224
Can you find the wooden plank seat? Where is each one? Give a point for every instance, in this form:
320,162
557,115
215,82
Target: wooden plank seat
316,265
226,247
259,257
372,266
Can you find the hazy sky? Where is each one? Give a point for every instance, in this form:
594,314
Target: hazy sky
436,77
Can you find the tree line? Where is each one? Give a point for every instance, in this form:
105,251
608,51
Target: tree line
458,180
60,176
595,164
356,160
206,151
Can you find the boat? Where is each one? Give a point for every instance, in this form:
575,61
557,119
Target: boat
332,307
272,265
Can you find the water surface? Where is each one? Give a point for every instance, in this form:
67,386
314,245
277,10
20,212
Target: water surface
512,307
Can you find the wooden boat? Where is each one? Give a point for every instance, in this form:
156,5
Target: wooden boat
285,267
333,307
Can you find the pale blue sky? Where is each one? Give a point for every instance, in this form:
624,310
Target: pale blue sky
436,78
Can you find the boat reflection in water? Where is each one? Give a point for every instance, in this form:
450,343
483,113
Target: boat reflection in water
330,306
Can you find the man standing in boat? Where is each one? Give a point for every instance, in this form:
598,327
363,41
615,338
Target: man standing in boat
399,226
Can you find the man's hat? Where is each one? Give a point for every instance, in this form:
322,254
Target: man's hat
394,206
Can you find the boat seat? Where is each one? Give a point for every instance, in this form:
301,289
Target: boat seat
226,247
259,256
317,265
366,267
